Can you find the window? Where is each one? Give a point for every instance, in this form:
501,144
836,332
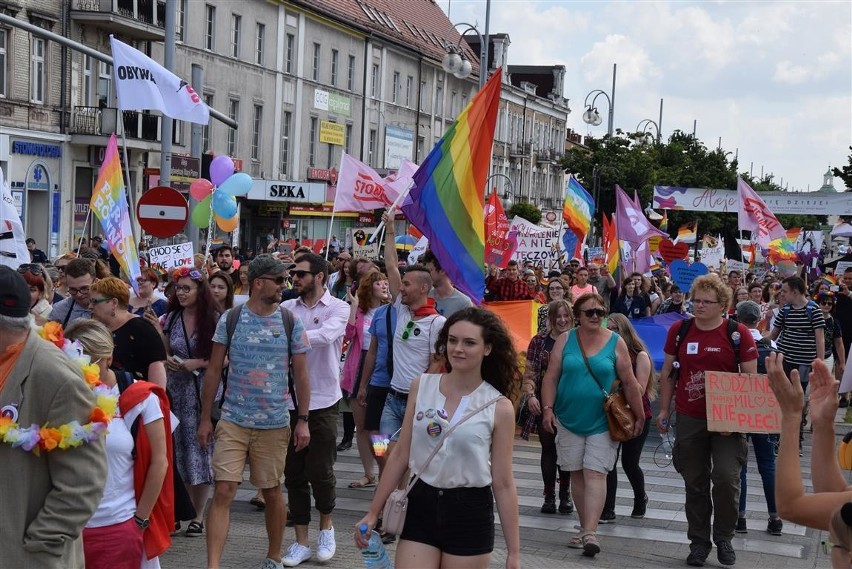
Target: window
257,123
4,62
37,68
259,38
233,114
423,96
409,85
334,57
395,92
87,79
464,101
285,143
374,81
350,78
421,144
236,24
210,34
291,50
180,20
312,143
316,63
372,147
177,132
346,143
104,85
453,112
330,162
439,101
205,129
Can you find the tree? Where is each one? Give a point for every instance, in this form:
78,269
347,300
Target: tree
526,210
845,173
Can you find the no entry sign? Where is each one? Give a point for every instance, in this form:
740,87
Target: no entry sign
162,212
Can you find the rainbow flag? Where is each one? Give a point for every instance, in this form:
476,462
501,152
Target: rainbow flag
831,280
781,250
448,197
577,212
664,224
109,204
688,232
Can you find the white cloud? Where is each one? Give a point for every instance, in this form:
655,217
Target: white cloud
635,66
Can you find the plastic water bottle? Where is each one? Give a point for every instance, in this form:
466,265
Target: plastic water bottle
375,554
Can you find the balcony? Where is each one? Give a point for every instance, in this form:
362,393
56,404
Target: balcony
97,122
548,155
519,150
136,19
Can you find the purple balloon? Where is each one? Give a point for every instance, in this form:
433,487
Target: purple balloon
221,168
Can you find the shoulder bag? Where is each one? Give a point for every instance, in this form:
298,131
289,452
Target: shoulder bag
619,417
393,515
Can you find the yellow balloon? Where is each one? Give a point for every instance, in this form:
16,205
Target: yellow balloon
227,225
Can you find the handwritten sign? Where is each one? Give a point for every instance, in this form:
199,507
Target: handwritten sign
534,243
683,273
171,257
361,246
741,403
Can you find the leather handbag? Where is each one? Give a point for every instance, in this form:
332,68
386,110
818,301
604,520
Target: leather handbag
619,417
396,506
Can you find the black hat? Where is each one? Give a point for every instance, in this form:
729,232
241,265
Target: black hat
14,293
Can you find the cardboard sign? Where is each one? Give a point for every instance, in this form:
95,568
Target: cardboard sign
171,257
683,274
672,251
361,246
740,403
534,243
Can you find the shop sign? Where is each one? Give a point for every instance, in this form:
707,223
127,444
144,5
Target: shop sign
332,133
332,102
37,149
319,210
399,145
329,176
185,168
286,191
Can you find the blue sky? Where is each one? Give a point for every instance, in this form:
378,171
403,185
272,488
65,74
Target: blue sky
772,79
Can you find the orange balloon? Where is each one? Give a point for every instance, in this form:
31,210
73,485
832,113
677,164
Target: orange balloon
227,225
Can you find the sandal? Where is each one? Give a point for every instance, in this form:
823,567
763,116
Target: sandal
366,481
258,503
576,541
591,547
195,529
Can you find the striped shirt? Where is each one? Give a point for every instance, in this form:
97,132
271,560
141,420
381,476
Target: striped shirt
797,340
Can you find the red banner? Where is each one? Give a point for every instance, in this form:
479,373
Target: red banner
497,248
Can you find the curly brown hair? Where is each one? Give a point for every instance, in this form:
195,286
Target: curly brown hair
500,367
365,290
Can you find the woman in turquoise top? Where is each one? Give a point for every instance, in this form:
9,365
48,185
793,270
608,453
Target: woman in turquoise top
573,399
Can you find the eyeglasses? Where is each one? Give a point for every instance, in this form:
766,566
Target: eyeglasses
592,312
826,303
408,328
185,289
698,302
143,281
61,268
279,280
75,291
31,268
97,301
302,274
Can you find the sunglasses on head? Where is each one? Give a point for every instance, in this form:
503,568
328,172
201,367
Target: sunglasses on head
592,312
31,268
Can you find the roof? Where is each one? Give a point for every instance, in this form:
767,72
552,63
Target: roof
420,25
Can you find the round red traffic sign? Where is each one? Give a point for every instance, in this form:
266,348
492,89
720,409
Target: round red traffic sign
162,212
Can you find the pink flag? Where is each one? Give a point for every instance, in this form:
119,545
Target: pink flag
631,223
755,216
360,188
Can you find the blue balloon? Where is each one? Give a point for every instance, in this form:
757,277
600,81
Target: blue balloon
224,205
237,185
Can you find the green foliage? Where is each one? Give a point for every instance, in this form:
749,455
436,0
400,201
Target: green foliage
636,164
845,173
526,210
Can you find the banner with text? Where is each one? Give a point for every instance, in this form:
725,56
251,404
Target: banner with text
740,403
721,201
171,257
534,242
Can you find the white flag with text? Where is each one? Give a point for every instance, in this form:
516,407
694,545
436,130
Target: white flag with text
13,240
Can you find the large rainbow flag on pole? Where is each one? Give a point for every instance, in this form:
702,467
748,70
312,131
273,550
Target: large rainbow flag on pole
109,203
577,212
447,200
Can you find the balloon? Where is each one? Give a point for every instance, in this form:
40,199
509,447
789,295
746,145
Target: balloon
201,213
237,185
221,168
200,188
227,225
224,205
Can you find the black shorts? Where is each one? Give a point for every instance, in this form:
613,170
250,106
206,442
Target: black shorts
458,521
376,397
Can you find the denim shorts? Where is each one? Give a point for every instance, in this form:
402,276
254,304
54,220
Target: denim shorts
458,521
392,416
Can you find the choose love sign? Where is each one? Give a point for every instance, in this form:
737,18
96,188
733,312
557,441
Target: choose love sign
740,403
170,257
683,273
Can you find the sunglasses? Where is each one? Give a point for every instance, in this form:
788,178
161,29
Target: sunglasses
279,280
61,268
97,301
31,268
302,274
592,312
826,303
408,328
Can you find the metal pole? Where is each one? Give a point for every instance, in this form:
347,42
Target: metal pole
660,123
483,62
166,127
93,53
612,102
195,150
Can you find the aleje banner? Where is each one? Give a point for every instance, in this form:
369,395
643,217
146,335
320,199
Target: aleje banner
722,201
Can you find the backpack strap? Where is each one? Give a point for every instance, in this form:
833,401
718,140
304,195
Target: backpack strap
68,316
681,333
391,331
735,338
287,319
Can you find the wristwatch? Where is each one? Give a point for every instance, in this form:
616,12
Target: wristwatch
143,523
304,418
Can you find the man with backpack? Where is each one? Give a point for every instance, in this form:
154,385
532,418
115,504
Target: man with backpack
263,341
748,314
707,342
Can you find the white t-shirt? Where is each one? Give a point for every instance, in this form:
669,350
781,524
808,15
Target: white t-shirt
365,330
119,501
411,357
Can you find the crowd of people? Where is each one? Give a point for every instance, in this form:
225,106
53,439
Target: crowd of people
250,361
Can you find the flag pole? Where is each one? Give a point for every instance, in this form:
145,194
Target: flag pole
83,232
330,225
392,207
559,244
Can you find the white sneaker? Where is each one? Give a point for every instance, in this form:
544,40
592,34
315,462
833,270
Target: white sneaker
296,554
326,545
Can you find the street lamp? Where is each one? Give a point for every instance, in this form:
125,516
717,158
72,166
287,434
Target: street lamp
508,192
643,127
592,116
458,64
